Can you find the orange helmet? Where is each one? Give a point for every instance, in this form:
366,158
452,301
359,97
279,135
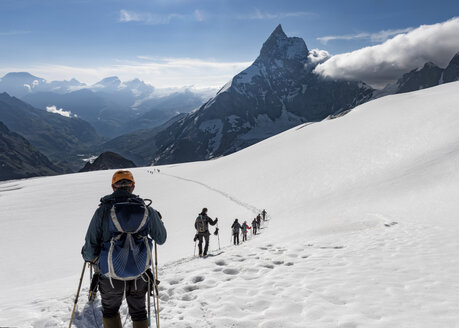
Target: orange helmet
122,175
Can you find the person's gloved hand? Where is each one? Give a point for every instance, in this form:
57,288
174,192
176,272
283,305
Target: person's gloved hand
94,261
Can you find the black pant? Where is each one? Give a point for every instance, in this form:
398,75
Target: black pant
113,297
236,238
203,236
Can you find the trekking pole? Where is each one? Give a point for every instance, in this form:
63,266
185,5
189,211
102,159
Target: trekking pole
156,286
77,294
218,236
194,253
156,311
149,302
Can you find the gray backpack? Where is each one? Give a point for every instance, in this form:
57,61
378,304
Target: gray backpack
201,224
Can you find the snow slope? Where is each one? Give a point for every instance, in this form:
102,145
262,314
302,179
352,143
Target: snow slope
362,229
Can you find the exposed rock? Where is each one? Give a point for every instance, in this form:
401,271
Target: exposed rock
451,72
106,161
427,76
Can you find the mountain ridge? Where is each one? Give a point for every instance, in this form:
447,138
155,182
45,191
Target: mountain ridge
278,91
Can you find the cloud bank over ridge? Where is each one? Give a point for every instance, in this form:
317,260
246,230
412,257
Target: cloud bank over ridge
386,62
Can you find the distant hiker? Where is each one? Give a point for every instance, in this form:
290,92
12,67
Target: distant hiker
263,214
236,227
201,225
258,218
119,241
245,228
254,226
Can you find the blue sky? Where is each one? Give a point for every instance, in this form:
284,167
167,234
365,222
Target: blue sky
205,41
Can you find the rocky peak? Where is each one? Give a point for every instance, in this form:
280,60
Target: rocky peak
112,82
106,161
455,59
20,75
426,76
451,72
280,47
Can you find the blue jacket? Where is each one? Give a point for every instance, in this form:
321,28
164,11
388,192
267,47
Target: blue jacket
98,231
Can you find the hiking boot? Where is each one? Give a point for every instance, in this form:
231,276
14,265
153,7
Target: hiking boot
114,322
140,324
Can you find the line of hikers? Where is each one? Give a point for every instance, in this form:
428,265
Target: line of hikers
243,229
120,246
202,222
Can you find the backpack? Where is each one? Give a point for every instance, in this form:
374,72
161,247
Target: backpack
236,228
128,253
201,224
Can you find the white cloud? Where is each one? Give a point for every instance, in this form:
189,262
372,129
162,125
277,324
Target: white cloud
14,32
384,35
147,18
317,56
60,111
386,62
260,15
380,36
157,71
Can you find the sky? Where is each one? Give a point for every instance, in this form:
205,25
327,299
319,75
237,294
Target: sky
177,43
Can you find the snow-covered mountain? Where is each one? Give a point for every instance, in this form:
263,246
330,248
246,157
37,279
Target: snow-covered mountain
19,84
278,91
362,231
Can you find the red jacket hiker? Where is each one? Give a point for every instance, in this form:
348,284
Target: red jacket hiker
244,229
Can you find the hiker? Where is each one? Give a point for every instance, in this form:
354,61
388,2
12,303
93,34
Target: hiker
263,213
245,228
258,218
236,227
126,222
254,226
202,230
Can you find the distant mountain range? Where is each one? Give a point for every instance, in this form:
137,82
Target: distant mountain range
69,121
278,91
61,139
111,106
139,146
19,159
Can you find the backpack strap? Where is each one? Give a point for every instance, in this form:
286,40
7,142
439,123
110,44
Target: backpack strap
118,225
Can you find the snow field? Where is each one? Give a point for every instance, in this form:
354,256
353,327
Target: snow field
363,229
